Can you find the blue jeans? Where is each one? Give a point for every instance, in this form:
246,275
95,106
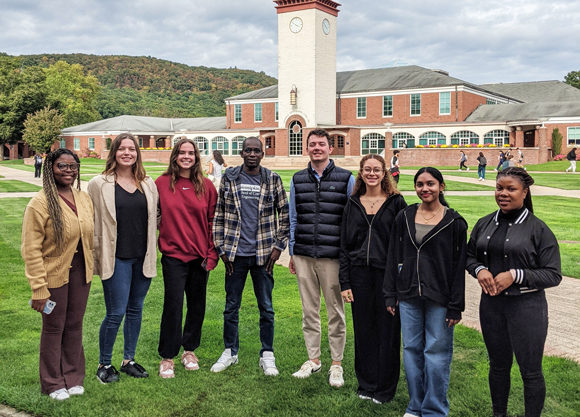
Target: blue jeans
427,353
263,286
124,294
481,171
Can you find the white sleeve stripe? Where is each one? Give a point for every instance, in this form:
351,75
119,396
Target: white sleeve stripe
519,276
478,269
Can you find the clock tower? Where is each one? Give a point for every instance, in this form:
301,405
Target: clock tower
307,61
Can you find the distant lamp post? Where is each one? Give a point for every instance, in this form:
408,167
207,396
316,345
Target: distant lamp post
293,94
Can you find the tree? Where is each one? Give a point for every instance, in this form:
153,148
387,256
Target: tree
42,129
573,78
556,141
73,93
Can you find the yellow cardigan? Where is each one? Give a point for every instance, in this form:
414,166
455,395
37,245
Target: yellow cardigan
47,266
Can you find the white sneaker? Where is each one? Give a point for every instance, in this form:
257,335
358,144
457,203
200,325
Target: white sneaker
459,169
335,379
468,168
409,415
268,364
76,390
224,361
308,368
59,394
495,169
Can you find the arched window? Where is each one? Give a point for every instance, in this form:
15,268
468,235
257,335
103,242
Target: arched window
432,138
237,143
403,140
175,140
295,136
219,143
201,143
497,137
464,137
372,143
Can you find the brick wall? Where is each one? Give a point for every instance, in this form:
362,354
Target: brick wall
451,156
268,117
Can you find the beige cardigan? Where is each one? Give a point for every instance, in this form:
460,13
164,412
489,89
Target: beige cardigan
47,266
102,190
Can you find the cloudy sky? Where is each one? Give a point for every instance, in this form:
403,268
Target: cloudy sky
477,41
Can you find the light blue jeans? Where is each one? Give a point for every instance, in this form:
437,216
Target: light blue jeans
427,353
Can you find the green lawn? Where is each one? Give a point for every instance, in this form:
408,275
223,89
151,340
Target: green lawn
13,186
560,180
241,390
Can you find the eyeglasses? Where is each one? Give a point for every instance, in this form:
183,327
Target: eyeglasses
255,150
375,171
74,167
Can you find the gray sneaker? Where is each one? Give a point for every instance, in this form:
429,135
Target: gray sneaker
268,364
224,361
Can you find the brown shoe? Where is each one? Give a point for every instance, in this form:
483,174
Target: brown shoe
166,368
190,361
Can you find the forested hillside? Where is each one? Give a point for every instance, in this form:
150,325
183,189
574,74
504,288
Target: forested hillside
149,86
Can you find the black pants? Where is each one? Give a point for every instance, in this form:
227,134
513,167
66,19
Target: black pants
377,335
515,325
37,169
180,277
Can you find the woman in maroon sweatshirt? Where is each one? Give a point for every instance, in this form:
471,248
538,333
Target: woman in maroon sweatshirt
187,203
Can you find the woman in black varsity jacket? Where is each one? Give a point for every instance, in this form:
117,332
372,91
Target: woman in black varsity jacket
514,256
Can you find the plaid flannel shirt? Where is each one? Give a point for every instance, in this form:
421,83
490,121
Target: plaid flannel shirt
272,232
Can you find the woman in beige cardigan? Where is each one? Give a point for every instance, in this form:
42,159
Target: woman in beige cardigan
57,248
125,202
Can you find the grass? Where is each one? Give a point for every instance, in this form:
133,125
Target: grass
561,181
14,186
241,390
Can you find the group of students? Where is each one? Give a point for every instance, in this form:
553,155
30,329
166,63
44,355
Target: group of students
351,240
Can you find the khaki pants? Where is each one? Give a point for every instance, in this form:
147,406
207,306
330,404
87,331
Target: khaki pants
313,275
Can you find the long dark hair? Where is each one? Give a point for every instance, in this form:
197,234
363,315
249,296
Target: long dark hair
51,192
387,184
526,180
195,174
217,156
111,165
435,173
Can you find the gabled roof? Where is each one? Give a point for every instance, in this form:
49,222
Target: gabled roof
523,111
537,91
266,92
150,124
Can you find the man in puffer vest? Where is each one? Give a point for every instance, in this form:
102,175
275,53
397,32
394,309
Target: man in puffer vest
318,195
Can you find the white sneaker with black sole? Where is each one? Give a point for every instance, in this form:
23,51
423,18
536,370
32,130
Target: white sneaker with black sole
335,379
268,364
224,361
308,368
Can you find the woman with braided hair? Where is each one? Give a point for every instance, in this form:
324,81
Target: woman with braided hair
514,257
57,248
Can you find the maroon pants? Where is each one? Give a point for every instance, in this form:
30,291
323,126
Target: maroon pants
62,358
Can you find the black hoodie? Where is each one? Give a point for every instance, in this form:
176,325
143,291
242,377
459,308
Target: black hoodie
435,269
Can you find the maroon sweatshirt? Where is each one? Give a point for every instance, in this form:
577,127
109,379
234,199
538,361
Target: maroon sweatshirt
186,221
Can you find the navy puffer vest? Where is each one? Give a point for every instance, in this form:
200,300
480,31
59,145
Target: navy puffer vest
319,208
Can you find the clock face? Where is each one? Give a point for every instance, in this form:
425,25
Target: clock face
296,25
326,26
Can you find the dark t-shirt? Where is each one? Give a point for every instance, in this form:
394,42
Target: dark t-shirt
250,190
132,219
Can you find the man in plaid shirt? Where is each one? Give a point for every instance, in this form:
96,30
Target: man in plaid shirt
250,230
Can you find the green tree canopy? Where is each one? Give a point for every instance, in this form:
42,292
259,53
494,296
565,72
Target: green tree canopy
573,78
42,129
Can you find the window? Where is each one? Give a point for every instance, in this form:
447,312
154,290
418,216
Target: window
91,144
574,136
237,113
219,143
270,142
237,145
140,142
491,101
415,104
361,107
295,135
464,137
432,138
373,143
77,144
201,143
340,141
257,112
276,112
497,137
387,106
62,143
444,103
403,140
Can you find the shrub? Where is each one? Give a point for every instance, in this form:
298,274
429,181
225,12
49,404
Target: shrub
556,141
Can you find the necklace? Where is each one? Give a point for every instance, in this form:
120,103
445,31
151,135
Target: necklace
375,202
122,181
427,219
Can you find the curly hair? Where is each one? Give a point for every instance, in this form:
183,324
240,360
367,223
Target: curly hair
111,165
388,185
526,180
51,192
195,174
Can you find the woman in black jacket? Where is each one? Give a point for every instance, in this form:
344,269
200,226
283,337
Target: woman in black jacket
425,275
514,256
366,225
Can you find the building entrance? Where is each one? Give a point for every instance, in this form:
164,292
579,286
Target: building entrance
530,139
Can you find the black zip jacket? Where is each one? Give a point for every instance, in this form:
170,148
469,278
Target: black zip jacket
435,269
364,242
530,248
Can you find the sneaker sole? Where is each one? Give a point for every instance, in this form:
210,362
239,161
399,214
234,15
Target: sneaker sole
216,371
314,371
105,383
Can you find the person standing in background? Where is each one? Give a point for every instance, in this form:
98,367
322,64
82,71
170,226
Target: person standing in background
37,165
481,167
571,157
215,168
395,168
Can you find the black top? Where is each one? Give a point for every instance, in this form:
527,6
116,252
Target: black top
496,253
571,155
132,220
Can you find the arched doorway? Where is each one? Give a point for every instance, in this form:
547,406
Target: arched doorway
337,142
295,138
530,139
160,143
